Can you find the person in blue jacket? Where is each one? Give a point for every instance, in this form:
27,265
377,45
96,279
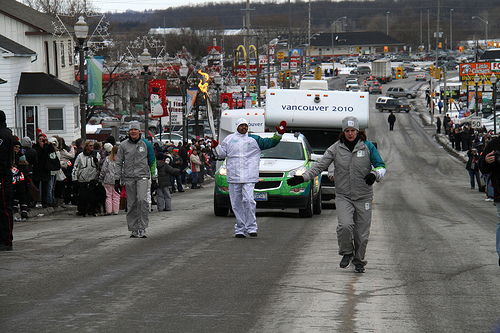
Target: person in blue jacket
242,153
357,165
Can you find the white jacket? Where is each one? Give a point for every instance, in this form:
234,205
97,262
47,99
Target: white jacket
242,153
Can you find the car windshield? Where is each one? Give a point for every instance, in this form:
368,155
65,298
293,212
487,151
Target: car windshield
285,150
399,101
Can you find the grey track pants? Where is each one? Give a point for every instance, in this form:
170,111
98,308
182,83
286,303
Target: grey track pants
138,203
353,229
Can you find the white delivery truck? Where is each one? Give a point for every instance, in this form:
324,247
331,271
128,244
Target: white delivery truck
317,114
382,70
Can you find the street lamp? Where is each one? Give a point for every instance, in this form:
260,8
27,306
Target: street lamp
183,73
493,80
81,32
388,22
476,81
336,38
486,23
145,60
451,29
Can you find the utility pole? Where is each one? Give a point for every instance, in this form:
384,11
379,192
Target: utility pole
308,54
246,44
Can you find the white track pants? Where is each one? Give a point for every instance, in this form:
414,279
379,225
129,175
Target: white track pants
244,206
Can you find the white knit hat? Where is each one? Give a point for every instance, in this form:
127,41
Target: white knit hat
108,146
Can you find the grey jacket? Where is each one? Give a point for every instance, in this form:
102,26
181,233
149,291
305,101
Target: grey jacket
107,174
350,168
85,168
135,160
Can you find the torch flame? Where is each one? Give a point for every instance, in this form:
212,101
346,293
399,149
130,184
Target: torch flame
203,86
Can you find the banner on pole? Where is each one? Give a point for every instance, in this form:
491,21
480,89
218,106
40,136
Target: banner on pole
158,98
94,84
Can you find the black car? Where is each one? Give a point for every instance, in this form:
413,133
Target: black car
392,104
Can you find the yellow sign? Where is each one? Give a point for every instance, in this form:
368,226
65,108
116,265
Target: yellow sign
281,55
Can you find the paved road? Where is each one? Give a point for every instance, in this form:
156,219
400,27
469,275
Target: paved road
432,265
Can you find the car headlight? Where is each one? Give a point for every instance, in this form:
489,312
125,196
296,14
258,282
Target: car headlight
297,172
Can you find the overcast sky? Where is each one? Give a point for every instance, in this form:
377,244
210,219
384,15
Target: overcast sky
141,5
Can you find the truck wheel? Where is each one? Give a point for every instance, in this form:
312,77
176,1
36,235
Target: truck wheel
219,211
317,207
408,96
308,211
391,95
380,109
398,110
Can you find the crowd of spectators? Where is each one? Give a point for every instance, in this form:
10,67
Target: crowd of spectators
50,173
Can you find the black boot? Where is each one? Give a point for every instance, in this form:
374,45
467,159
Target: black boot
194,186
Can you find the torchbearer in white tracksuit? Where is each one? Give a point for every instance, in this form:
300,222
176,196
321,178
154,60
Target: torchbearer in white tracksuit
242,153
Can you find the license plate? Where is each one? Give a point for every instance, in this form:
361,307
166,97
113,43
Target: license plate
260,196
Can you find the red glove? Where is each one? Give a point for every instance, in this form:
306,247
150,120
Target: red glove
281,128
215,143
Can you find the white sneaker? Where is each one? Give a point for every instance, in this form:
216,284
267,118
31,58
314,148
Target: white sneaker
488,199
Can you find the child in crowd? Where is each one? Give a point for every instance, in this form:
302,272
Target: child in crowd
164,200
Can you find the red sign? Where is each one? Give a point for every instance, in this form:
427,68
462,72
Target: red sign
213,49
473,68
158,98
226,100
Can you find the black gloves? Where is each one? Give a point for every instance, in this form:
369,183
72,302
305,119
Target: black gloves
154,185
118,187
370,178
296,180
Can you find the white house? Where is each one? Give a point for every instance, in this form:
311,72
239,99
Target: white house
37,63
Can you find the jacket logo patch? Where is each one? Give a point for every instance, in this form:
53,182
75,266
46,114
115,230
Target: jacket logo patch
361,153
141,149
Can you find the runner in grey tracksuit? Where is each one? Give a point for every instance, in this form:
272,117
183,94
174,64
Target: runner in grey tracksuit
135,167
357,165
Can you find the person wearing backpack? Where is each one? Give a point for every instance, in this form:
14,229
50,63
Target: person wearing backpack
489,163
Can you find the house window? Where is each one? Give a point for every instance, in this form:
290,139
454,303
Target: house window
30,121
77,116
70,52
63,60
56,120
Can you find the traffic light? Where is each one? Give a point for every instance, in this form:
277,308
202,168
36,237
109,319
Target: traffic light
287,75
282,78
399,73
317,73
437,73
432,70
386,49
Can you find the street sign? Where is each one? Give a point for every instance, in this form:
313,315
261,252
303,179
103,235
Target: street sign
475,122
176,118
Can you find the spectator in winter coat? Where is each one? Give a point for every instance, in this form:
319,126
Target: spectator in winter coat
164,200
489,163
6,214
178,164
67,158
85,171
195,167
107,177
473,167
41,173
20,181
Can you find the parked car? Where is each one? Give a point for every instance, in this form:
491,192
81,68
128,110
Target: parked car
420,77
400,92
374,88
392,104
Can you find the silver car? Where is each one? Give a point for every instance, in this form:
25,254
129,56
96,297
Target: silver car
399,92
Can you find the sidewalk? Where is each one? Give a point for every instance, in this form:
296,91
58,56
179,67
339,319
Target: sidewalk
442,139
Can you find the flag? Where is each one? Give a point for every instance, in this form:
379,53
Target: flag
94,84
191,98
158,98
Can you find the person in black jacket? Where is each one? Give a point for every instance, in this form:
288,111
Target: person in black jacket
391,120
164,200
41,173
489,163
6,214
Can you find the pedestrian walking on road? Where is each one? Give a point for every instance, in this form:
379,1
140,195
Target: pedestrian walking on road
242,153
136,168
107,177
489,163
6,214
391,119
357,166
